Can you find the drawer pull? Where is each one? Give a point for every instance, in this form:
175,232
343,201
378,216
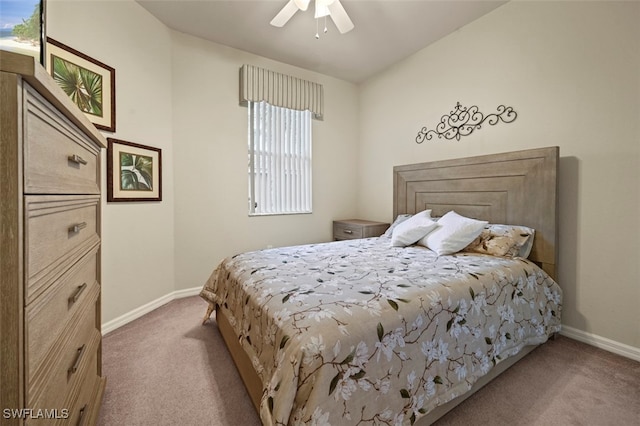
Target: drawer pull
77,159
74,229
348,231
83,410
75,296
76,364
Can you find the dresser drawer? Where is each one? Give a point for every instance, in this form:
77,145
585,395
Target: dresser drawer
58,158
84,406
50,313
79,407
63,369
58,231
346,231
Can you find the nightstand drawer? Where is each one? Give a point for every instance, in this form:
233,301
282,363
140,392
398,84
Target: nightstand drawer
355,228
346,231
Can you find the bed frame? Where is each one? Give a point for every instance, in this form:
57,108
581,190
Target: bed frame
517,188
514,188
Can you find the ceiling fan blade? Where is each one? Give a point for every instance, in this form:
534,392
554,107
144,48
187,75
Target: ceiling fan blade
285,14
340,17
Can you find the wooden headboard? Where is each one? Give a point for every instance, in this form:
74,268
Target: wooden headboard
513,188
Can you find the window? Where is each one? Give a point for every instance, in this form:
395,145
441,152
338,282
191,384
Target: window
281,108
279,160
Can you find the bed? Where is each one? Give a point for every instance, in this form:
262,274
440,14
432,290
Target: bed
359,332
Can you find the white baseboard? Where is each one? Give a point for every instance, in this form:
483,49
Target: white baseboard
601,342
145,309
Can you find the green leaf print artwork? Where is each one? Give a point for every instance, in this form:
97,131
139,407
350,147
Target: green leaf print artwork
136,172
84,87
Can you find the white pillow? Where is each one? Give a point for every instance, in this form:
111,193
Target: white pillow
399,219
454,233
412,229
525,250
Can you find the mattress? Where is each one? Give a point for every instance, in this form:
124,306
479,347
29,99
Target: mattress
357,331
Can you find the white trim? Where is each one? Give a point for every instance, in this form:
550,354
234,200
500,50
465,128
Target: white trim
601,342
145,309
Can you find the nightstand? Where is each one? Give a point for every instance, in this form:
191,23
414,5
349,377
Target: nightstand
352,229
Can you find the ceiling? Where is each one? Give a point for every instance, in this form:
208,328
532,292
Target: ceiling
385,32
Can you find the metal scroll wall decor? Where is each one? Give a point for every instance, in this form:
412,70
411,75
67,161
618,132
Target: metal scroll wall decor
463,121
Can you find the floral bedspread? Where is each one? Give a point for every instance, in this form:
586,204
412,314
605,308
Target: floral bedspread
358,332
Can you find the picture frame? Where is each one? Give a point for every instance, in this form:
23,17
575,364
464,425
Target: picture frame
22,27
97,99
134,172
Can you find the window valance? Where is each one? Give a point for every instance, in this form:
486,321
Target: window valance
258,84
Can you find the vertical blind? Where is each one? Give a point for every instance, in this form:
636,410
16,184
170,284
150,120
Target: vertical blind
259,84
279,160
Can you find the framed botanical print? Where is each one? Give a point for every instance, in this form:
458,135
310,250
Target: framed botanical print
134,172
89,83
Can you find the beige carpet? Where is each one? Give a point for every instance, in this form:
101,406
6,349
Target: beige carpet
166,369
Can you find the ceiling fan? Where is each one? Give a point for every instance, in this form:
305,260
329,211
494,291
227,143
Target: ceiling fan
331,8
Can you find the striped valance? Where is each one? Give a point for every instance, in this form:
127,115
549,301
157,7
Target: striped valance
258,84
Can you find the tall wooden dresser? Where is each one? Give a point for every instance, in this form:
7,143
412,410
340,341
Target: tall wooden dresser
50,339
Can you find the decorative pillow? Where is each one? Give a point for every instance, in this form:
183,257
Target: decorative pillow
412,229
454,233
503,240
399,219
525,250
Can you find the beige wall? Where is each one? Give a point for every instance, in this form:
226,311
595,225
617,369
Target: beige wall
210,140
571,70
179,92
138,240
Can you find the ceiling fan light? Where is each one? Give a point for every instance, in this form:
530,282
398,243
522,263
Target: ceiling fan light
302,4
321,10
